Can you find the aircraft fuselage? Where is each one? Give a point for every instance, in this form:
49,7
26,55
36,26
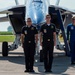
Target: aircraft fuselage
36,10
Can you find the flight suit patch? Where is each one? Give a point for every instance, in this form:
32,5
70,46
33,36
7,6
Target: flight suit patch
72,28
25,31
45,31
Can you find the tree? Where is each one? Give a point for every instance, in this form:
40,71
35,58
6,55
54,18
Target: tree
10,29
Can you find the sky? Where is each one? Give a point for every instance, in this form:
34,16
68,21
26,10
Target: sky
4,4
9,3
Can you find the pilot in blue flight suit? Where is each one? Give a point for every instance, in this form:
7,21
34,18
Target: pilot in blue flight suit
71,39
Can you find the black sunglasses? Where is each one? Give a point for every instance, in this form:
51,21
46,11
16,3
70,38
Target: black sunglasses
48,17
28,21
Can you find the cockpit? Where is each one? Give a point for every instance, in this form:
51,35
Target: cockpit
40,1
37,4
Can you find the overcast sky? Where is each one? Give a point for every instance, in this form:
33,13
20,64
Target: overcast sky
3,5
9,3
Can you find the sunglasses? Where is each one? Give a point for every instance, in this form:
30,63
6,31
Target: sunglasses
48,17
28,21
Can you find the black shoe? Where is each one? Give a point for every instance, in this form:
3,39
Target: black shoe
72,63
48,71
31,71
26,71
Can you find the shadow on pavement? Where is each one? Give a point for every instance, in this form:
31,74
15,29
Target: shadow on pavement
60,63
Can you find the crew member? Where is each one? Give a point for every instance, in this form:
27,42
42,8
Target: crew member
71,39
48,40
29,38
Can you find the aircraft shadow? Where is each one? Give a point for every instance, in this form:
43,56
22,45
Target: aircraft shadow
60,63
15,57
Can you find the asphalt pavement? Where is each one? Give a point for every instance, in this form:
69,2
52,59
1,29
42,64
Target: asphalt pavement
14,64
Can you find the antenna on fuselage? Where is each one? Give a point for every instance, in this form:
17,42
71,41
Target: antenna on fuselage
16,1
57,2
25,2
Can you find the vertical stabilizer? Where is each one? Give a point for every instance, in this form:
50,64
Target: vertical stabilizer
16,1
57,2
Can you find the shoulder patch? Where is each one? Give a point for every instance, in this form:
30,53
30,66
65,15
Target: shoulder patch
72,28
32,28
52,27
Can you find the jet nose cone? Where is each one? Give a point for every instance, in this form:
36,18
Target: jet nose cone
39,17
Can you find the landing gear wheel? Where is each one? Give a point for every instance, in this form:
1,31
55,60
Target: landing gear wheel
41,56
5,48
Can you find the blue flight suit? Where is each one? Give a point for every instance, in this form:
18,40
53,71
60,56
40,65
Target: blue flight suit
71,38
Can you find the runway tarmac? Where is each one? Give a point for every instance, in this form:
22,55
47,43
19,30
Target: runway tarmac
14,64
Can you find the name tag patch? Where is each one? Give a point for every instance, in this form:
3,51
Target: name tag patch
45,31
25,31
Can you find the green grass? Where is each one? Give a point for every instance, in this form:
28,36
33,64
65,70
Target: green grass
8,38
6,33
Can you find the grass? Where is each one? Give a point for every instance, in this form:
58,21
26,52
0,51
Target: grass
6,33
8,38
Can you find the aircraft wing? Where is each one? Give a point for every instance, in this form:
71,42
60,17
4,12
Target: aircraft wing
62,5
65,13
11,11
64,10
3,19
16,16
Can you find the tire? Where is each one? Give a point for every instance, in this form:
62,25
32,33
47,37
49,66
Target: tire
41,55
5,48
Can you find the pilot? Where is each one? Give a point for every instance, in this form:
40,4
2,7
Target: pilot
71,39
29,38
48,40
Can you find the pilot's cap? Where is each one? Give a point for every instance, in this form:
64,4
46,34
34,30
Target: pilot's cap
73,17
